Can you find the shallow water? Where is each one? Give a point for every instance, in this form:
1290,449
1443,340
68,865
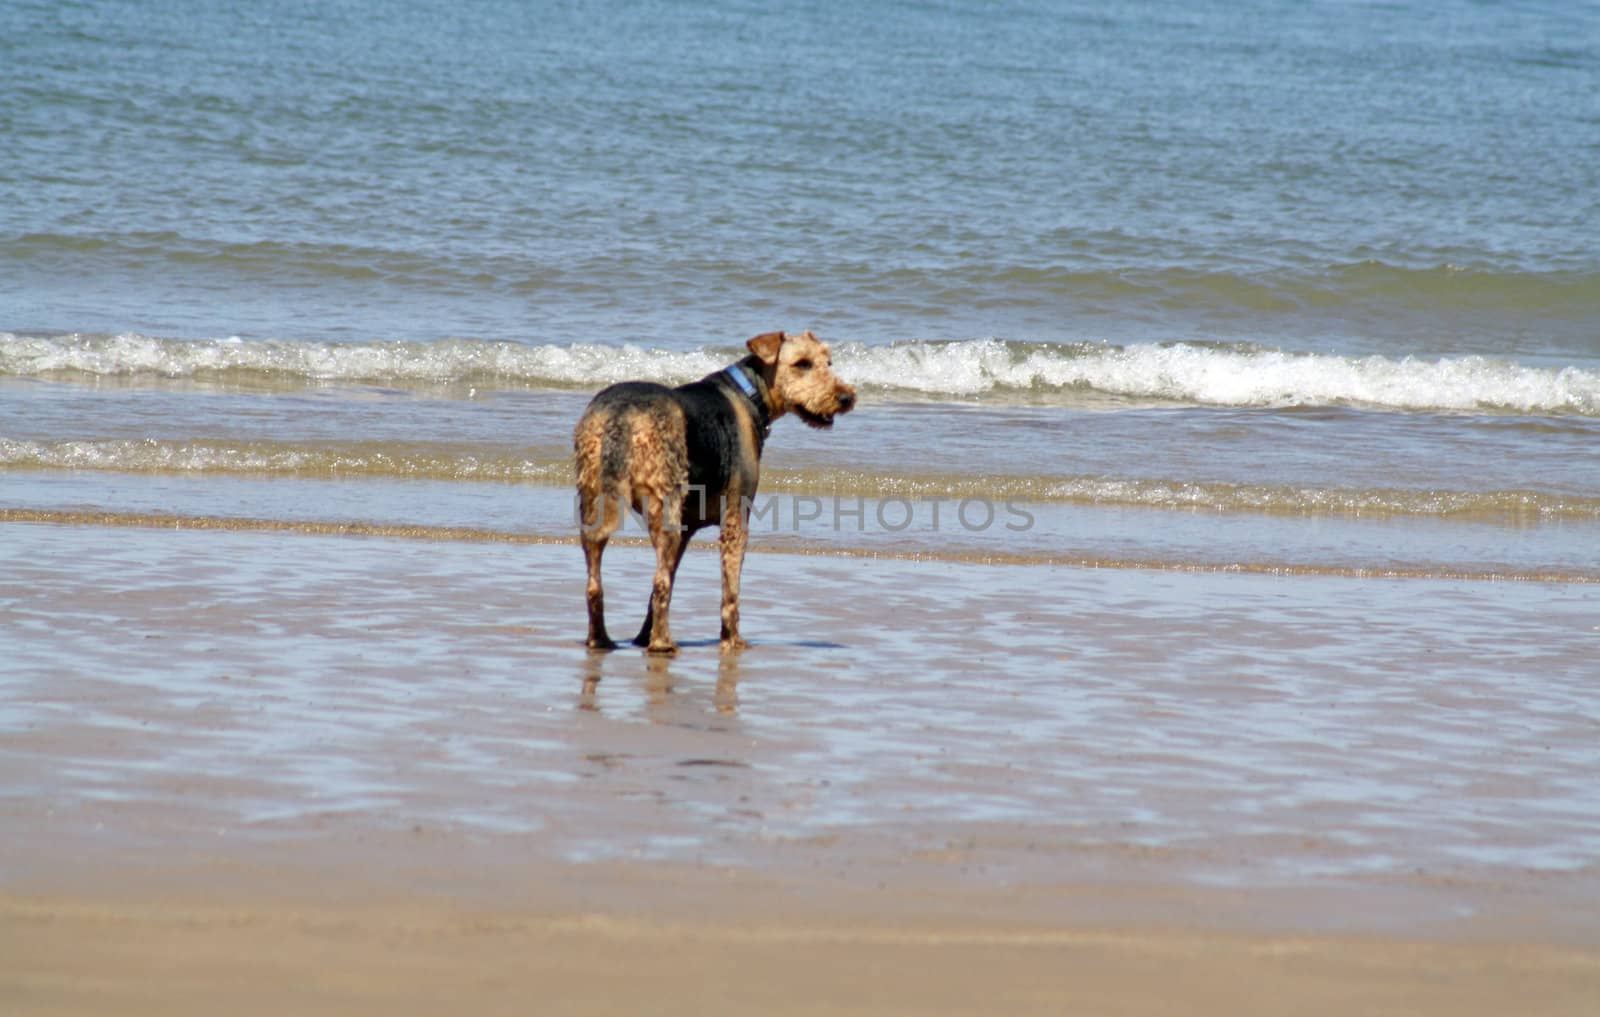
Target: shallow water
1331,489
1052,724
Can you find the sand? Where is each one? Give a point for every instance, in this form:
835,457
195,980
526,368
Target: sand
405,955
277,772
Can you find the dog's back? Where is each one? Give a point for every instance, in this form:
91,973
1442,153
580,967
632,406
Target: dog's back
630,447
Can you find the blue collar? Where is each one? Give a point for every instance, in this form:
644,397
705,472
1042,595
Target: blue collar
751,387
742,379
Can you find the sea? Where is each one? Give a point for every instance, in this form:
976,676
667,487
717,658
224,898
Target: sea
1269,284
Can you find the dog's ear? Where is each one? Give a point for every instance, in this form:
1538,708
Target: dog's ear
765,346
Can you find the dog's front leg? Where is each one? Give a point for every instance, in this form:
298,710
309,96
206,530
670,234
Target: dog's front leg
735,533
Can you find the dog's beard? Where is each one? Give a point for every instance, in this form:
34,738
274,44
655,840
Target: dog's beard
817,420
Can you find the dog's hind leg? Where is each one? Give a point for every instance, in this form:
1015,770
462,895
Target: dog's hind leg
599,518
643,638
669,538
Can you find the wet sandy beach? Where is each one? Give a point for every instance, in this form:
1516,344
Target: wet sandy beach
330,773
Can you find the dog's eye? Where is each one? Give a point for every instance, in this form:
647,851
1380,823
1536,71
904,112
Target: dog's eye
802,365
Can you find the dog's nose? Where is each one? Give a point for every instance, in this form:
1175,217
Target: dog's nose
846,400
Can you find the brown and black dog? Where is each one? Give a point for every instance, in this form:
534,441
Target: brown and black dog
690,457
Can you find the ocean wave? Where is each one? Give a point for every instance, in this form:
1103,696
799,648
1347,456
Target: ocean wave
1206,374
418,461
1237,375
446,361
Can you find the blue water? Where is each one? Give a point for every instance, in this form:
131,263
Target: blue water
1388,178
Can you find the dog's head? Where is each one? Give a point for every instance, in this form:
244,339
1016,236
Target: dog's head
799,373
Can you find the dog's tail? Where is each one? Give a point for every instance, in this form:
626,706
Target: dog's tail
599,461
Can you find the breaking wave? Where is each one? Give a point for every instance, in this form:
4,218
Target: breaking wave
1205,374
1226,375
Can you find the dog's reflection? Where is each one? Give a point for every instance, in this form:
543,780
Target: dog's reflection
662,683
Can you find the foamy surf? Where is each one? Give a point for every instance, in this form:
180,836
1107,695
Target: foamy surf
1224,375
1233,375
446,361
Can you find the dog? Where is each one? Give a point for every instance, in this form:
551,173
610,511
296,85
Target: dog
690,457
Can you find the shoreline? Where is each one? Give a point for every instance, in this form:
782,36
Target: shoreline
1000,883
801,548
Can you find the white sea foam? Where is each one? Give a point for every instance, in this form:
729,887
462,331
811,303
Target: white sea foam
1215,375
445,361
1225,376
